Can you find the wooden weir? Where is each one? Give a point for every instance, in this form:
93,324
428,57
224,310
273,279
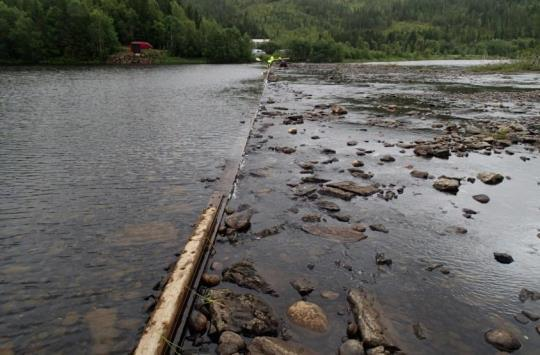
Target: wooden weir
173,306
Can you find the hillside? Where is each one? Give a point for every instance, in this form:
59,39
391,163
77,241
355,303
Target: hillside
316,30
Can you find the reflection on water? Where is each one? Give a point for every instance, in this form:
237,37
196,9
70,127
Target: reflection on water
100,184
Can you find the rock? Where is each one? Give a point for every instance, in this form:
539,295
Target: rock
210,280
355,188
357,163
503,258
531,316
380,259
441,152
333,192
481,198
230,343
314,179
387,158
328,151
311,218
351,347
379,350
341,217
420,174
341,234
419,331
359,227
338,110
520,318
490,178
352,330
367,318
197,323
502,340
244,274
292,130
537,329
456,230
359,173
328,206
308,315
239,221
329,295
424,151
448,185
304,190
525,295
352,143
275,346
378,228
240,313
303,286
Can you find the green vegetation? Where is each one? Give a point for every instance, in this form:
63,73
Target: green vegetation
88,31
385,29
311,30
524,64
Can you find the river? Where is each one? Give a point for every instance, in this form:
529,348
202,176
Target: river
100,184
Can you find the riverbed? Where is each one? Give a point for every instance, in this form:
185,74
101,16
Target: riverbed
103,172
426,256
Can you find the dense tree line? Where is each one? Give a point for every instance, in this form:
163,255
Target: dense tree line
386,28
84,30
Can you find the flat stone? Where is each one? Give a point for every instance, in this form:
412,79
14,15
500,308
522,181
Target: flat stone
328,206
448,185
304,190
314,179
502,340
378,228
308,315
420,174
490,178
276,346
526,294
481,198
333,192
367,318
240,313
503,258
303,286
353,187
311,218
531,316
244,274
351,347
520,318
329,295
342,234
230,343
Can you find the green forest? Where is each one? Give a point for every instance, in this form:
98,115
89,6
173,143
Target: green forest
34,31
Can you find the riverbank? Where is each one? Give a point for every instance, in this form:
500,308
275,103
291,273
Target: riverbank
377,211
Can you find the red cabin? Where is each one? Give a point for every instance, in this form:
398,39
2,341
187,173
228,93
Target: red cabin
138,46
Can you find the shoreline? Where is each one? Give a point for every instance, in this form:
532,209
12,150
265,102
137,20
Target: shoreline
327,248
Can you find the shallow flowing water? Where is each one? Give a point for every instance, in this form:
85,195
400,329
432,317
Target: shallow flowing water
100,182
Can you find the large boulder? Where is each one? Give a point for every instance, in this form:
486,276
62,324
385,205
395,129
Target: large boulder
308,315
240,313
502,339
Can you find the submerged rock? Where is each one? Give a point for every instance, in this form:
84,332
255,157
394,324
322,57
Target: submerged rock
387,158
240,313
342,234
351,347
368,319
244,274
275,346
328,206
502,339
378,228
230,343
308,315
526,294
303,286
239,221
333,192
420,174
311,218
490,178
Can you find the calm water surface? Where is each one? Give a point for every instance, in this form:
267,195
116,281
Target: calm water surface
100,182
